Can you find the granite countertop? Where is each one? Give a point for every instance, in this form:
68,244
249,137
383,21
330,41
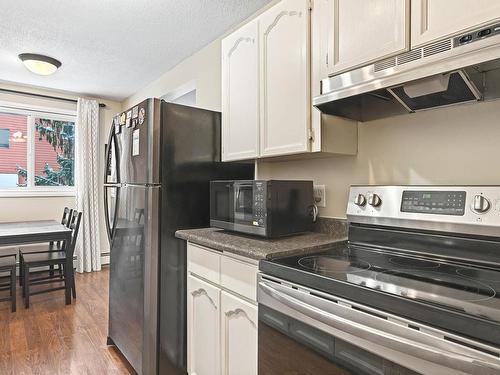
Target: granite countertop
261,248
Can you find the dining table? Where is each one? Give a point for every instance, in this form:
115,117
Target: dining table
36,231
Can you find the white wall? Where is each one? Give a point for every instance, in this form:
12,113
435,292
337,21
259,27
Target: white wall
42,208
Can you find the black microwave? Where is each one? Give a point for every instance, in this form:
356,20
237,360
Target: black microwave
272,208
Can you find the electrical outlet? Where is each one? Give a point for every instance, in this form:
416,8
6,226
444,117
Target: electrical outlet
320,195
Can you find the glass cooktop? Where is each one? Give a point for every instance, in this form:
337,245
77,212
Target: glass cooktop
465,289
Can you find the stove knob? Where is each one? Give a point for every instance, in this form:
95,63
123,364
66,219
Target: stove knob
374,200
480,204
360,200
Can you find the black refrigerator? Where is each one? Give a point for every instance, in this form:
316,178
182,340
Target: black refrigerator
160,159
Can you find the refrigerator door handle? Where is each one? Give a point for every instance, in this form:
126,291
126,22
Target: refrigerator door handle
111,229
112,158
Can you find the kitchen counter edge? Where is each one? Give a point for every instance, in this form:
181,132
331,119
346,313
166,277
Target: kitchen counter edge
260,248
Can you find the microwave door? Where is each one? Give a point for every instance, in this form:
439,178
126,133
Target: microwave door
222,202
243,203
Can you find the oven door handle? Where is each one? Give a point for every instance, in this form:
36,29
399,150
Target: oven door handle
460,360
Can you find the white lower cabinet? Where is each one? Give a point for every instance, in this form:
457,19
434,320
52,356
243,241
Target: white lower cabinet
203,305
238,336
222,313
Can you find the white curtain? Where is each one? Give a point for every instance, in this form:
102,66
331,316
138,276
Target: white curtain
87,185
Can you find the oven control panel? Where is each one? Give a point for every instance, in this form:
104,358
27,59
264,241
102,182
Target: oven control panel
434,202
458,209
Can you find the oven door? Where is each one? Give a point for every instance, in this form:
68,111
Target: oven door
306,332
243,202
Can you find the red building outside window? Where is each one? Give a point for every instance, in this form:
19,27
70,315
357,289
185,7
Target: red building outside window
50,152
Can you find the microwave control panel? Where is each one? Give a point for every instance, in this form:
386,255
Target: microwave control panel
259,201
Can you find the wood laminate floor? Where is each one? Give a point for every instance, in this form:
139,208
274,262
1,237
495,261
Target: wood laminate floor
52,338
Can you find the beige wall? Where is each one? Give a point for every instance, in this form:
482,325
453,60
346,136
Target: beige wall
456,145
40,208
204,67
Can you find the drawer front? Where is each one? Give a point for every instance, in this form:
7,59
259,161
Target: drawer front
203,262
239,277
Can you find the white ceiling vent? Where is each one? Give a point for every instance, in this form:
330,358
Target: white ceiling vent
409,56
384,64
433,49
413,55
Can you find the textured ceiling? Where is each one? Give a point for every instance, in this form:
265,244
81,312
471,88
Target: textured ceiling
110,48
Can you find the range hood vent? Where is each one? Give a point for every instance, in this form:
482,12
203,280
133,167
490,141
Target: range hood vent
462,69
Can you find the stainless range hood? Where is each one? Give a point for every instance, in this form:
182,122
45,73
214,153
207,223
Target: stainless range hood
460,69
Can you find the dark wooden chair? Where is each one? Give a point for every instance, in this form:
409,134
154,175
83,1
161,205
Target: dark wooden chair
65,220
8,278
52,257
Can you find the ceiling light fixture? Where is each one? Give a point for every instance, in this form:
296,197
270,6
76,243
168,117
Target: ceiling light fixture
40,64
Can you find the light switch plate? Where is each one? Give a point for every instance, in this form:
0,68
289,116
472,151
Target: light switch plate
320,195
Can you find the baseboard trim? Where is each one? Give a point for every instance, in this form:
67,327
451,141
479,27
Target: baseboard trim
104,259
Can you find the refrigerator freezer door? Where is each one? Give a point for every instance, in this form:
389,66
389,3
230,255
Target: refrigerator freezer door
133,277
138,145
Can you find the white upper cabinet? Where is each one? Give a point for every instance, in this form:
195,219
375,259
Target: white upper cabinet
203,309
285,78
240,93
366,31
435,19
238,335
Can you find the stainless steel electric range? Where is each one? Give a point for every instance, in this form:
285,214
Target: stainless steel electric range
413,290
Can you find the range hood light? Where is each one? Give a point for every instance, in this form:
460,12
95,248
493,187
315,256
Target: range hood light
40,64
427,86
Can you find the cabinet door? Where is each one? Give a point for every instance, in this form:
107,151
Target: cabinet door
238,335
367,31
240,93
435,19
285,75
203,309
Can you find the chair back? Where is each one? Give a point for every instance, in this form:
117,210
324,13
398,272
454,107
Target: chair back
65,220
66,216
74,225
138,215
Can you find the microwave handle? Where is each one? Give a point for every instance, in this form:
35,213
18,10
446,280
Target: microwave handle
237,197
459,362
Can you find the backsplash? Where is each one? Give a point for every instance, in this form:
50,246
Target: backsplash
438,147
334,227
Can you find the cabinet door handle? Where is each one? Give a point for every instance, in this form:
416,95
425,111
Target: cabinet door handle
239,311
203,292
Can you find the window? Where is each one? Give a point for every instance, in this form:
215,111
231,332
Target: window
37,152
13,158
4,138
